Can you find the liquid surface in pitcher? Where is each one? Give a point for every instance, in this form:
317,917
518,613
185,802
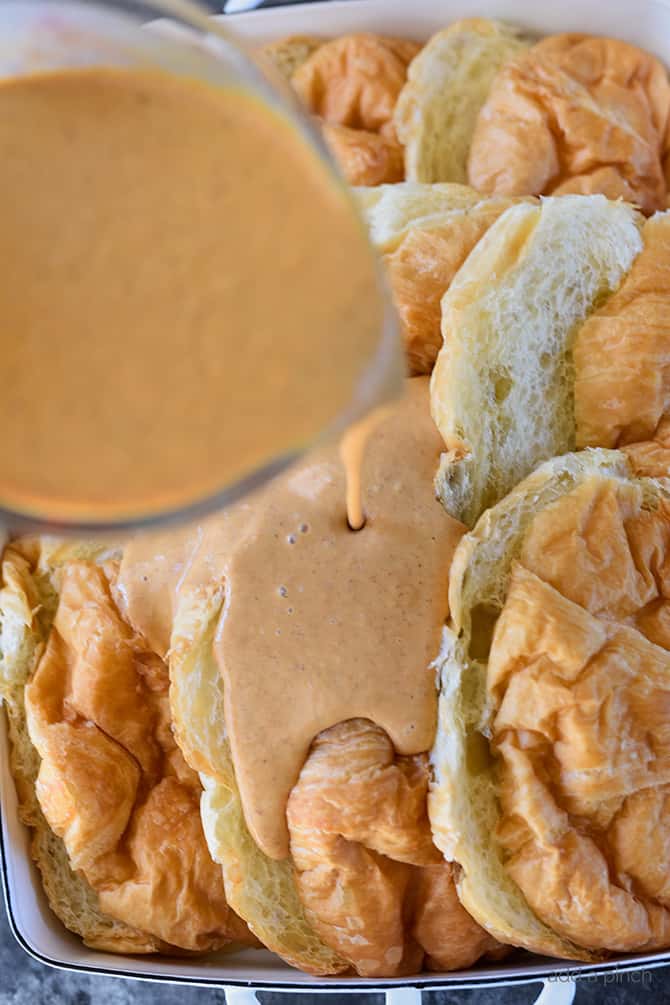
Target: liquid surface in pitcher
187,292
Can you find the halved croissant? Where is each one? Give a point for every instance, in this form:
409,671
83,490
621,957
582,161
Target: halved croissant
372,882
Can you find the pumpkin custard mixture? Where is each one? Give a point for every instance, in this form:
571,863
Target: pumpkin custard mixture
404,708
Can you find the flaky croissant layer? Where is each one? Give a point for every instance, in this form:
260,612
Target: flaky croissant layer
112,782
374,885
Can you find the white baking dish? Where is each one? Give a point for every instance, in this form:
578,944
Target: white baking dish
645,22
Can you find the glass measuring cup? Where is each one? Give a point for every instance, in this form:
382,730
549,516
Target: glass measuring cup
46,35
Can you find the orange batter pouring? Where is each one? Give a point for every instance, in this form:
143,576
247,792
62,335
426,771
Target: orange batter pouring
321,625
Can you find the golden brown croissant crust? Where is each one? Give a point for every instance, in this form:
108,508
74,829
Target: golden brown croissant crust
622,367
576,114
112,781
420,271
651,458
580,670
364,158
374,885
352,84
355,80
